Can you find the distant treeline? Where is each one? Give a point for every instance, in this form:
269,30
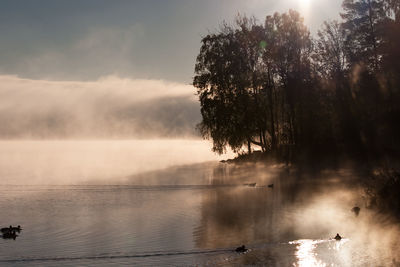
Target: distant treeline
274,86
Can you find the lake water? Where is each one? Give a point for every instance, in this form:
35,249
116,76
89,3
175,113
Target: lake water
158,203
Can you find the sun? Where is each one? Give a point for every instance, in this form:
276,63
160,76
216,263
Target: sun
304,7
304,3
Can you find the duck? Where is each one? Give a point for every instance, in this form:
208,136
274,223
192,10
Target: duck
338,237
356,210
241,249
10,235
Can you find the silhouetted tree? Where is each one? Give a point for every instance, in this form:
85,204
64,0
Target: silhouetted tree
224,82
333,66
363,21
249,79
272,86
293,48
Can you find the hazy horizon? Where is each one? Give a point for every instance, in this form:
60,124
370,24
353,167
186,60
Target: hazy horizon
108,108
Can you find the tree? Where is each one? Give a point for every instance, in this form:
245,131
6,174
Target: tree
223,79
363,21
329,53
333,67
249,79
293,47
272,86
393,8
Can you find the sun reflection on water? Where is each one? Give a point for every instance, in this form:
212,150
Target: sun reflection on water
305,253
339,244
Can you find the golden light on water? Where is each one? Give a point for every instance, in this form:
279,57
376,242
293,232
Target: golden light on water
339,244
305,253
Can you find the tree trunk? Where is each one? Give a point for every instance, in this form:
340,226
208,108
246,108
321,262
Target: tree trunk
262,141
271,108
249,146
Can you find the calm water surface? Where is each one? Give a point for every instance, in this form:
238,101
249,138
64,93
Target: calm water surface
194,214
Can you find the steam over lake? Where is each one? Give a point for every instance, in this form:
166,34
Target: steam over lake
77,162
163,202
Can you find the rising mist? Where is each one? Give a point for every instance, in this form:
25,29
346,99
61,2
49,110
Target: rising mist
110,107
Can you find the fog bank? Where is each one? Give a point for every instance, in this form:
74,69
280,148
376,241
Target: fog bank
110,107
95,161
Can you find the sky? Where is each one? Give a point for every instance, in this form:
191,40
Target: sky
99,44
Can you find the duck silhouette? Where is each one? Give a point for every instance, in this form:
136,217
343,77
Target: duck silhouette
356,210
241,249
338,237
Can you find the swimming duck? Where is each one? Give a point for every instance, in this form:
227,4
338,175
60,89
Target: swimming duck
241,249
356,210
338,237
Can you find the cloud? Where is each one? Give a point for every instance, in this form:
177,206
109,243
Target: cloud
111,107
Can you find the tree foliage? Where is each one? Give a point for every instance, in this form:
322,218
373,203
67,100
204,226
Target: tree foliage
272,85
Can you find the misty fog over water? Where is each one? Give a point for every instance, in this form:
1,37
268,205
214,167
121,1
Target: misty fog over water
182,212
60,162
110,107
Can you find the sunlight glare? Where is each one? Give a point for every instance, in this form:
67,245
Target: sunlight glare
305,253
304,7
